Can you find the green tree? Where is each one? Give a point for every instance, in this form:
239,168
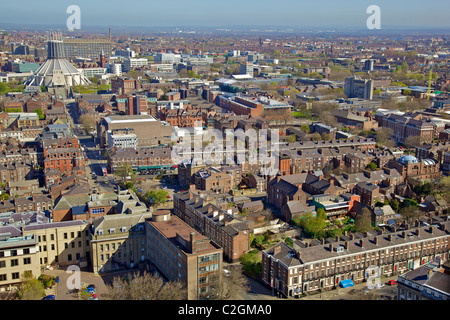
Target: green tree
291,139
305,128
363,221
313,226
157,196
31,288
40,114
372,166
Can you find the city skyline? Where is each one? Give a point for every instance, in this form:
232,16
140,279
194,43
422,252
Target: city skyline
201,13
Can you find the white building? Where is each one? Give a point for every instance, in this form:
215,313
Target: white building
122,139
92,72
114,68
131,63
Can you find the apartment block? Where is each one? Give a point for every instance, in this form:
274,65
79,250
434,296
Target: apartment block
183,254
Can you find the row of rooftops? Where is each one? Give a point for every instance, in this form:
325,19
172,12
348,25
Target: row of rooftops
302,253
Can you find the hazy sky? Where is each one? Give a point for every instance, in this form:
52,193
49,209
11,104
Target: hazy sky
294,13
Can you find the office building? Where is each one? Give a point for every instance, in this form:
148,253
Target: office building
246,68
358,88
183,254
118,242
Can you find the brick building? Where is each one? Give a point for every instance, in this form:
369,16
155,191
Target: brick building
307,268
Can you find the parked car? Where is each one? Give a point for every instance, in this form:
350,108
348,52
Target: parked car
49,297
91,286
392,282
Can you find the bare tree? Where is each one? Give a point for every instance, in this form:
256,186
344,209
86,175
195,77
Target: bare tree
146,286
88,122
385,136
233,283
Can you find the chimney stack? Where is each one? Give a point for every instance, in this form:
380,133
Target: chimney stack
361,243
192,237
390,236
375,240
418,232
331,247
276,250
346,245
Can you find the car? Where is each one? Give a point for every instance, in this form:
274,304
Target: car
93,297
379,285
392,282
168,197
49,297
57,279
91,286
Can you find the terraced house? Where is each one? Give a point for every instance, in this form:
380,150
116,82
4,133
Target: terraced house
305,268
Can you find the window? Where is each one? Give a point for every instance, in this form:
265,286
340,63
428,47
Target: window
13,253
2,264
52,237
15,275
72,234
65,235
3,277
26,260
69,257
14,262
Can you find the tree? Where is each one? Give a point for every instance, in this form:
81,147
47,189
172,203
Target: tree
384,136
305,128
123,171
372,166
88,122
363,221
40,114
411,213
146,286
313,226
412,141
424,189
31,288
291,139
157,196
232,284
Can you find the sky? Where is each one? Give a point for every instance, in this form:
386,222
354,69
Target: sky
212,13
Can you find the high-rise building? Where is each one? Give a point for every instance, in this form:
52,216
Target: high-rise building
182,254
246,68
368,65
87,48
356,87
